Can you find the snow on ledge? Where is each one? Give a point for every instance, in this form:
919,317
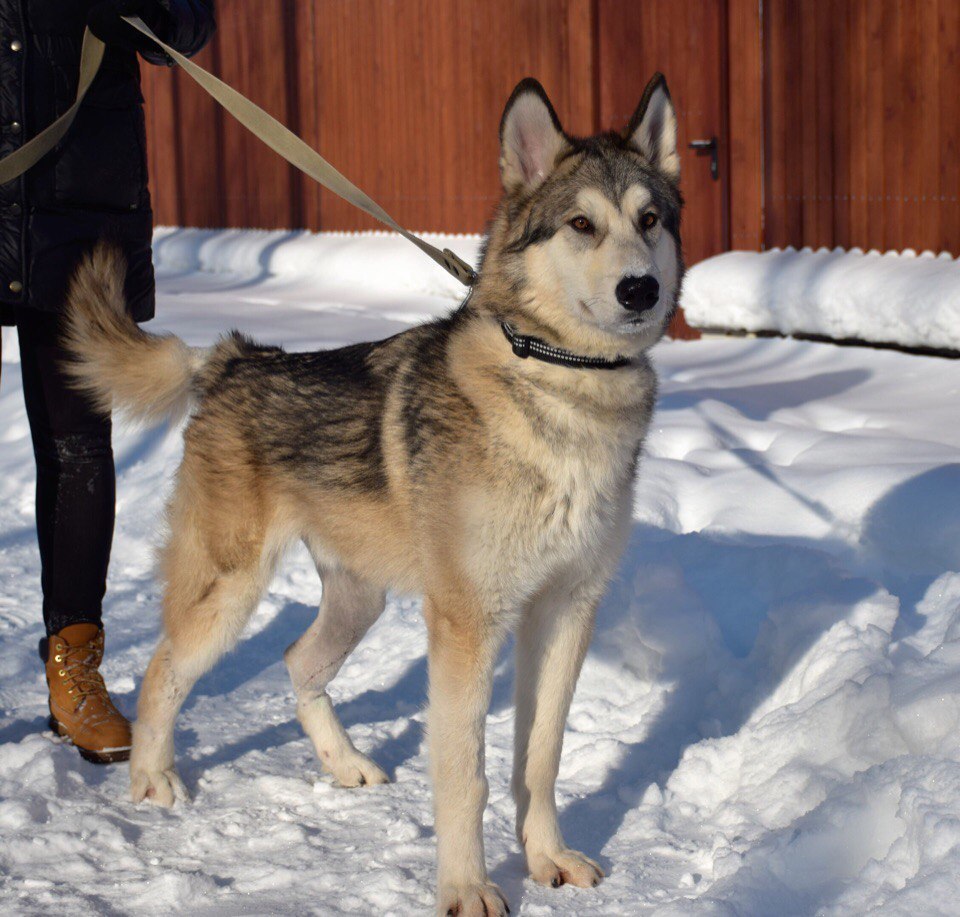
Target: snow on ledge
893,298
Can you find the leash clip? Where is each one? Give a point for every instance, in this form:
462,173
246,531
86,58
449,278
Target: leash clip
459,268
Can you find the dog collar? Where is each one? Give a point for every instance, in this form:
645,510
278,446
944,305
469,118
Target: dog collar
526,346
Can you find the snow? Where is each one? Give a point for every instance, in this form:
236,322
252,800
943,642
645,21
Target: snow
768,721
893,298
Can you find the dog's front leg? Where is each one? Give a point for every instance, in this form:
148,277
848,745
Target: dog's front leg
462,652
551,643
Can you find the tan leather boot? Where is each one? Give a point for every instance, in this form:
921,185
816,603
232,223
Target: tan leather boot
80,708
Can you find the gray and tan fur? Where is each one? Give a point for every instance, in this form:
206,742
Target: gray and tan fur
436,461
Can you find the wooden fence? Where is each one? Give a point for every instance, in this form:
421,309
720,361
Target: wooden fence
837,121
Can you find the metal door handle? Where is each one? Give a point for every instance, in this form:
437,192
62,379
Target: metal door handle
702,146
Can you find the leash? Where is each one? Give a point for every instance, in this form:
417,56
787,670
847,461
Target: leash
267,128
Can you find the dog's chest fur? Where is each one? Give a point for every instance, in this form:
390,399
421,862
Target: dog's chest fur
565,504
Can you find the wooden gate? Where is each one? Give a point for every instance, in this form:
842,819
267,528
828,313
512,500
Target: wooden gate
837,121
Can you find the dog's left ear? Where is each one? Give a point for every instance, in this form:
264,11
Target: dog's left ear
531,137
653,128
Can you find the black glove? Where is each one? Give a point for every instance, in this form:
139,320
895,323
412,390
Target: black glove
105,22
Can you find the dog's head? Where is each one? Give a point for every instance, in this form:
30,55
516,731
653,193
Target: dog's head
587,237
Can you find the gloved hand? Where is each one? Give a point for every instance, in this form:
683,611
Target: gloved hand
105,22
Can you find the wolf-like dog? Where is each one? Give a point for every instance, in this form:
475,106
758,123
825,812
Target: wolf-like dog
485,460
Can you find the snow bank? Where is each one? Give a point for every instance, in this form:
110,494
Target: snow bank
768,720
893,298
378,261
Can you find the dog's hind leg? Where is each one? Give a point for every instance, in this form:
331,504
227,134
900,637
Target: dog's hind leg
348,608
215,568
213,626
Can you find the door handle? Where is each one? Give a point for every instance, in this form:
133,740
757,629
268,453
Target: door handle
702,146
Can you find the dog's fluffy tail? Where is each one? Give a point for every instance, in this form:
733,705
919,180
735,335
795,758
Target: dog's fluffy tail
147,377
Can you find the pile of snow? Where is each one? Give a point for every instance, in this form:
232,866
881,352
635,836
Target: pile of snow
382,265
893,298
768,721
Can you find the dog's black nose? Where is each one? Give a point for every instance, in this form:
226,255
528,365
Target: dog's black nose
638,293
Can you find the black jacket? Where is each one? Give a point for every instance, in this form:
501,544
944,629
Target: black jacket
94,184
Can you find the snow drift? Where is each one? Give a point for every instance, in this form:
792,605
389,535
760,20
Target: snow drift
768,720
894,298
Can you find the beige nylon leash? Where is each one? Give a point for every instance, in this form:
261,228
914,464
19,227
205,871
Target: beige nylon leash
279,138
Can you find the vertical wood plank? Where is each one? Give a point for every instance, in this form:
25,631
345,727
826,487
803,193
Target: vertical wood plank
842,114
875,112
825,58
198,138
160,116
804,130
859,141
929,153
948,40
899,62
779,112
745,126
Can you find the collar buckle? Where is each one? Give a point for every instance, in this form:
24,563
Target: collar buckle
521,345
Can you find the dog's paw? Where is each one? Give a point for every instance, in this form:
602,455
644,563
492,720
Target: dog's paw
566,867
480,899
356,770
159,788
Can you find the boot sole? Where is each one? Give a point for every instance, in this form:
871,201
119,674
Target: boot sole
94,757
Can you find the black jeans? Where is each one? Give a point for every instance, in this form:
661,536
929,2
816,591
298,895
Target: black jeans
76,486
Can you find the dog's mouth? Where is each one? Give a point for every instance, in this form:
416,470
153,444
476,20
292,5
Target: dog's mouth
634,323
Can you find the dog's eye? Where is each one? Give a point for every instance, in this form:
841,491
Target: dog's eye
582,224
648,220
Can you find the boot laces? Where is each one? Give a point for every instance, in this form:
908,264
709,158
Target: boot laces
79,669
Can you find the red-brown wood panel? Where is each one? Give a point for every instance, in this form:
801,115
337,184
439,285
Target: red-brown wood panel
257,59
858,150
410,94
861,119
745,123
783,123
947,37
304,29
687,43
161,150
925,56
840,165
197,133
874,107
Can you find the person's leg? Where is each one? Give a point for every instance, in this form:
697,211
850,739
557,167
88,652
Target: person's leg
75,510
76,487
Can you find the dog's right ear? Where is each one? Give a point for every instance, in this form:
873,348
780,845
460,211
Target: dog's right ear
531,137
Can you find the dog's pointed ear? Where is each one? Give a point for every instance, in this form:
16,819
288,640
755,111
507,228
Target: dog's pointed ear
531,137
653,128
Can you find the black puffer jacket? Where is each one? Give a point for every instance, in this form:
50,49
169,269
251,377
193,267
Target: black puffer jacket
94,185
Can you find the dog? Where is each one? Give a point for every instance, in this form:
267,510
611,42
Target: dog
485,460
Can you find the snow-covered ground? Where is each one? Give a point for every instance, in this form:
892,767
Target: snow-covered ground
768,721
891,298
